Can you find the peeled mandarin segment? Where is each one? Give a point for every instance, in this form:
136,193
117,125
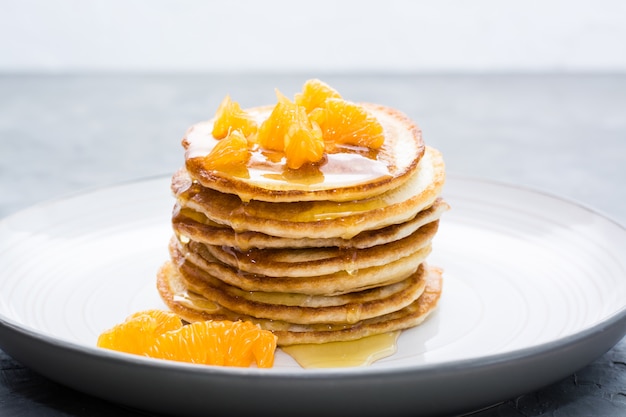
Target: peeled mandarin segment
314,94
318,115
271,133
229,117
133,336
260,345
263,350
348,123
229,152
223,343
240,338
213,336
178,345
303,142
165,320
138,332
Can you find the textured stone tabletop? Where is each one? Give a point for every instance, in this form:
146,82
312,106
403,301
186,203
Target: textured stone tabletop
565,135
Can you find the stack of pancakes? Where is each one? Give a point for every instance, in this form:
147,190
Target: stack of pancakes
332,252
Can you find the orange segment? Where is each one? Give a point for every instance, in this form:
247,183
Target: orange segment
223,343
161,334
314,94
303,142
271,133
138,332
264,349
230,152
318,121
231,117
343,122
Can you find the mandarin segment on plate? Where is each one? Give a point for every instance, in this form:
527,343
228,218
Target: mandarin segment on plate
314,94
139,331
228,153
303,142
229,117
346,123
161,335
224,343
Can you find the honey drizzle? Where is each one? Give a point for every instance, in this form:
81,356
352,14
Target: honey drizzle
353,353
195,301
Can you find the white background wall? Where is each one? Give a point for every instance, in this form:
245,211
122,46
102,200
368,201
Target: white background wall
316,35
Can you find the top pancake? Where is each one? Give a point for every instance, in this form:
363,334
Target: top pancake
353,174
317,219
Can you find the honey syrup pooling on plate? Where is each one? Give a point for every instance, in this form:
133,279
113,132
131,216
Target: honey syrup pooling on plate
353,353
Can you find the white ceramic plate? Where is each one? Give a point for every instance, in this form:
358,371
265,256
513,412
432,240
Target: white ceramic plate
535,288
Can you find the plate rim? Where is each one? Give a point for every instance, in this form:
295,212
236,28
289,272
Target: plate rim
542,192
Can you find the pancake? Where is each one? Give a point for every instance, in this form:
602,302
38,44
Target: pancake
196,226
305,262
308,309
318,219
195,256
194,307
345,176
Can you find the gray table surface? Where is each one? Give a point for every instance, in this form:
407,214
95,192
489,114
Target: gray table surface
563,134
